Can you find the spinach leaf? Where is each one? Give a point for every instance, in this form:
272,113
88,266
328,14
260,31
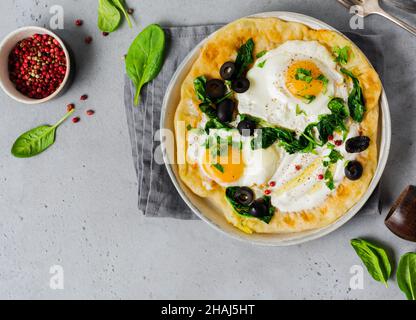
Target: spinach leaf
200,89
120,5
145,57
329,123
374,258
355,99
108,16
406,275
269,135
341,54
214,123
244,210
208,110
36,140
334,156
337,107
244,58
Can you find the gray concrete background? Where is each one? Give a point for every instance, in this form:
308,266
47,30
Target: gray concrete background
75,205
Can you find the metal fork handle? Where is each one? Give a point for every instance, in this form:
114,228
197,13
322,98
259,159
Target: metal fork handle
397,21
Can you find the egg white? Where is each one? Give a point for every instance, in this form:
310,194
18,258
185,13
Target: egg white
259,165
269,98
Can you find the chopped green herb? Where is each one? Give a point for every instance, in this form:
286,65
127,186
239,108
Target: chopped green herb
261,53
341,54
188,127
219,167
324,81
329,179
309,98
299,111
303,75
261,64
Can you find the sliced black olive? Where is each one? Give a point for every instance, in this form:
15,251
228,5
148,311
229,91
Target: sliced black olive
357,144
227,70
215,88
240,85
259,208
246,127
354,170
244,196
225,110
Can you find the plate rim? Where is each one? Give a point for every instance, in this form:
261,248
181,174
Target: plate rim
384,148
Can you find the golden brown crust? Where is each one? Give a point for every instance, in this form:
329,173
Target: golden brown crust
269,33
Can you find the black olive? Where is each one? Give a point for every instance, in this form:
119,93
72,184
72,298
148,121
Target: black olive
259,208
246,127
244,196
240,85
225,110
357,144
354,170
227,70
215,88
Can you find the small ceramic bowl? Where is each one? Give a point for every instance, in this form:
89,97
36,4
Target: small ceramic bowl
6,47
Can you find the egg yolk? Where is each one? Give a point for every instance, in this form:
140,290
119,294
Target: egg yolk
228,167
301,79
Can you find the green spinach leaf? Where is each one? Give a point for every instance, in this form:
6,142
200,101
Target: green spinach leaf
244,58
374,258
219,167
200,89
335,156
406,275
108,16
145,57
214,123
244,210
36,140
121,6
355,99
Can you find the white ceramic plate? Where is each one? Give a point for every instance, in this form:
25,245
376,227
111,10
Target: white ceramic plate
214,218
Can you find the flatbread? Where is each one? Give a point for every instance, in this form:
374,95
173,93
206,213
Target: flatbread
269,33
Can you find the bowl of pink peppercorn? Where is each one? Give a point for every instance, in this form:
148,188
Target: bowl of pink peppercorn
34,65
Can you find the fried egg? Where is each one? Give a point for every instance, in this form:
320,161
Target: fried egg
226,157
290,86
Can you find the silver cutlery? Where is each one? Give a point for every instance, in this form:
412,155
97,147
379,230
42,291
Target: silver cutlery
407,5
372,7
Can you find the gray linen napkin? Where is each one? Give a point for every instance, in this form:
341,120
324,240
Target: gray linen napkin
157,195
